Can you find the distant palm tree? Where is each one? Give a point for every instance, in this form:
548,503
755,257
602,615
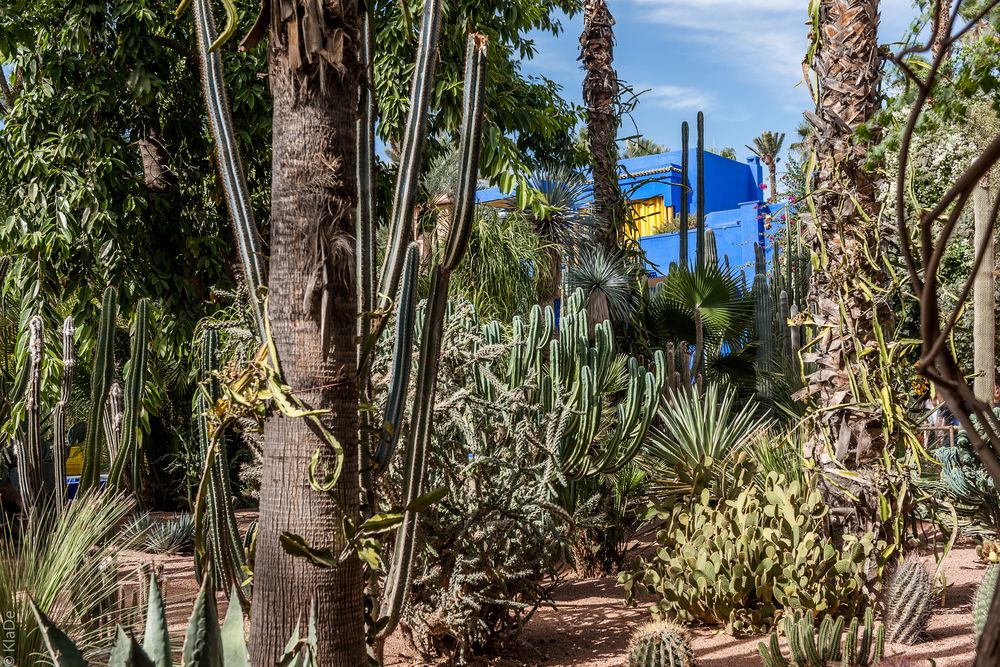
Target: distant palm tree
639,146
767,147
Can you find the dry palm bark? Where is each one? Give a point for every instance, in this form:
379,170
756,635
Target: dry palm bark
847,67
600,95
314,72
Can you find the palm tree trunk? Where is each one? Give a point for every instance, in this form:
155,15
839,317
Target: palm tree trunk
848,66
314,84
984,298
772,170
600,94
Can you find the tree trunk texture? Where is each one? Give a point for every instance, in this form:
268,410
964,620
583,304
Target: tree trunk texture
313,73
772,172
942,28
551,288
600,95
847,65
984,298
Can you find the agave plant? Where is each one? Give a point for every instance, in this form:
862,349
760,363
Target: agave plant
64,564
609,287
697,430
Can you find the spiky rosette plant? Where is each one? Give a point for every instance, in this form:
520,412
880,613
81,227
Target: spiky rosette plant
909,602
660,644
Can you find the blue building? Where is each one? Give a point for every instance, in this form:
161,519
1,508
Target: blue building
735,206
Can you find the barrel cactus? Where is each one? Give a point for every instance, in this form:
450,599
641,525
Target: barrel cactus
908,602
660,644
984,596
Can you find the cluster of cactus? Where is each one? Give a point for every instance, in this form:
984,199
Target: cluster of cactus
205,642
969,487
741,561
909,602
170,536
983,599
118,429
660,644
572,376
828,644
989,551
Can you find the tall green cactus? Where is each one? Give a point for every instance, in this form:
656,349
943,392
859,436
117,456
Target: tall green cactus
763,323
100,386
700,216
28,443
660,644
223,547
128,455
685,194
59,445
231,171
909,602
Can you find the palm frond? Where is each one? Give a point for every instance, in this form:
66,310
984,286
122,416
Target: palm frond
606,281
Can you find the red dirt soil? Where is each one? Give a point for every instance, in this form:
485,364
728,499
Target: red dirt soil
590,626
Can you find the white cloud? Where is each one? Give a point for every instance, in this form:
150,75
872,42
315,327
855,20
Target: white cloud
763,36
674,98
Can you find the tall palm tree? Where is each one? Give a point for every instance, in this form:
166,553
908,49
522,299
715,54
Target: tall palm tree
847,67
600,95
314,75
767,147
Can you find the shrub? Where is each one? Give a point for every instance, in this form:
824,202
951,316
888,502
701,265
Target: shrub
741,560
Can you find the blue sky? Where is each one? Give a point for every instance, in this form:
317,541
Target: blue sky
737,60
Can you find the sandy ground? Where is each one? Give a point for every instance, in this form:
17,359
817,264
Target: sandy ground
590,626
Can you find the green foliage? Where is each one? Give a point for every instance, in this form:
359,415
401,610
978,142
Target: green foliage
504,266
909,602
639,146
609,288
827,645
609,511
696,431
101,89
526,122
740,561
61,565
660,644
490,548
984,598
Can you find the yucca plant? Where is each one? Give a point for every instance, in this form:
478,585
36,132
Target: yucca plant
696,431
62,563
609,287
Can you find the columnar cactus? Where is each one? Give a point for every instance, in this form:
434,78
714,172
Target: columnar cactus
700,189
685,196
660,644
828,644
984,597
909,602
59,446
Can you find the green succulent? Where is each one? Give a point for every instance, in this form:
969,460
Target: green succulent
660,644
826,644
741,561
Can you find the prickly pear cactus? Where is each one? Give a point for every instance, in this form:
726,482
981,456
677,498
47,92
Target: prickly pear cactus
909,602
660,644
984,596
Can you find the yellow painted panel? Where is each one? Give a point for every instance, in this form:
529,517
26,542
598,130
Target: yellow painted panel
651,216
74,462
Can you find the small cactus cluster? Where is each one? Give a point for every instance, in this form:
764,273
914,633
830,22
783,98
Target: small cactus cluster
989,551
909,602
828,644
660,644
983,598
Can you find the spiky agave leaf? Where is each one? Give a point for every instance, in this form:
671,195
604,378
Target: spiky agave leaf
558,213
605,280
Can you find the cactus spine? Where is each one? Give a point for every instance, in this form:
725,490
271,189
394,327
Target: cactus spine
660,644
828,644
908,602
984,597
59,446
